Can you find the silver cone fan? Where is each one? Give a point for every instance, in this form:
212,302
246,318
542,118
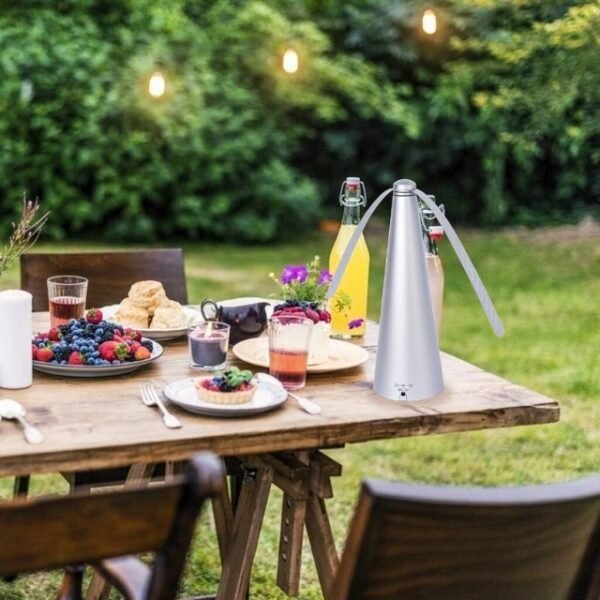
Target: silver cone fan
408,365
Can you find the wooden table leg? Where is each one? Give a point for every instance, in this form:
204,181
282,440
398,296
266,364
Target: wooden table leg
247,523
305,479
322,543
293,515
99,589
223,515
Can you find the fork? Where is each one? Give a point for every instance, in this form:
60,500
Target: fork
150,398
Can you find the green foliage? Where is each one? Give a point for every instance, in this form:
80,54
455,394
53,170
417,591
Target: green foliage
216,156
498,113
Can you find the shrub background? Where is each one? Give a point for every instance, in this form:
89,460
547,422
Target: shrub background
498,113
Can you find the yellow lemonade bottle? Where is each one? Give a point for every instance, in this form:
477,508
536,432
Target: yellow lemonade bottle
349,306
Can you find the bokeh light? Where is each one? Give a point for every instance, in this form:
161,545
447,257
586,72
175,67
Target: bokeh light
290,61
157,84
429,22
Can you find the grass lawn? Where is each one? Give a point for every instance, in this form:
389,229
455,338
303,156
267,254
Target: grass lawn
547,295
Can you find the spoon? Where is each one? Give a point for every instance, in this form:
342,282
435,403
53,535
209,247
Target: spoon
11,409
308,405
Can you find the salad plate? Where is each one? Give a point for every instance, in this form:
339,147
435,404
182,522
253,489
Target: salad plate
183,393
341,355
97,370
193,316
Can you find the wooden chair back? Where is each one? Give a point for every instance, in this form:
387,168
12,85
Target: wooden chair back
530,543
110,274
47,533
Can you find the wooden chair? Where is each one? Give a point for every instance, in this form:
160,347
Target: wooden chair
110,274
106,529
531,543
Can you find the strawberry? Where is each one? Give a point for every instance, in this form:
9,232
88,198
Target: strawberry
113,350
54,334
94,316
44,354
132,334
34,350
133,345
324,316
142,353
313,315
76,358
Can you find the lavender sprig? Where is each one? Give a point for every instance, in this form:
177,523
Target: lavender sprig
25,233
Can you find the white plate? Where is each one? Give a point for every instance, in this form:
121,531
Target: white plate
183,393
341,355
97,370
193,316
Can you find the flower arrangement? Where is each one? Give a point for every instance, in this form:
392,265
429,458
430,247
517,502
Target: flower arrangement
304,283
24,233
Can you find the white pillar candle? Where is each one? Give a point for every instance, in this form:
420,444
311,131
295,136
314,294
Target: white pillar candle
15,333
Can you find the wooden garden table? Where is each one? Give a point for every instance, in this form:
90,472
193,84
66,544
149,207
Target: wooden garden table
101,423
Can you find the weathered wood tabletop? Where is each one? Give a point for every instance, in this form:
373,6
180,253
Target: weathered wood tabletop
101,422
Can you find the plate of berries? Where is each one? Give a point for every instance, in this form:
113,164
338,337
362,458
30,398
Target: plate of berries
92,347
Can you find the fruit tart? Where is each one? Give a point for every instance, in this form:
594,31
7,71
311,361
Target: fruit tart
231,387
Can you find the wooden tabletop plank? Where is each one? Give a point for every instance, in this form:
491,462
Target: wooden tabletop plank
101,422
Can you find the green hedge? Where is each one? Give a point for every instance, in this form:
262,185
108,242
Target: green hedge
237,149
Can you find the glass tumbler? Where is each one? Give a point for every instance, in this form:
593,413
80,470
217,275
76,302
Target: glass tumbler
289,339
66,298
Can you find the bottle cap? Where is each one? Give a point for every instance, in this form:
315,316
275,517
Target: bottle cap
353,185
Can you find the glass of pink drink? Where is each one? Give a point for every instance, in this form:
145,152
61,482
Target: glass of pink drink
289,338
66,298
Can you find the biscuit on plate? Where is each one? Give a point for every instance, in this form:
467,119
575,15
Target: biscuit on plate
147,294
168,315
131,314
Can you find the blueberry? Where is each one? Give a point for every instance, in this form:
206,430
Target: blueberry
116,362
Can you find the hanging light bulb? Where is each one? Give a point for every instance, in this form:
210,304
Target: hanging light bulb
157,84
290,61
429,22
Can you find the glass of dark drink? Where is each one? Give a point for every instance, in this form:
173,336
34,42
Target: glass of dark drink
208,345
66,298
289,339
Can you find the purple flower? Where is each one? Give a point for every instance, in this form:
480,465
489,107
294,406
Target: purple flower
294,273
356,323
324,277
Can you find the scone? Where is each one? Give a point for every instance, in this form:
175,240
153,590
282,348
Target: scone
168,315
132,315
147,294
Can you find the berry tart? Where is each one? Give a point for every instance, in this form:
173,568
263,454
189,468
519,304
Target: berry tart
318,350
232,387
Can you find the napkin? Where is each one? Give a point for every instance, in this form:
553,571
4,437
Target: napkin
15,339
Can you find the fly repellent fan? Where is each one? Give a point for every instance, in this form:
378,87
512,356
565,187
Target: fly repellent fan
408,365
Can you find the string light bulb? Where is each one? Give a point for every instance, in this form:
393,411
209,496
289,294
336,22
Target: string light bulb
156,84
429,22
290,61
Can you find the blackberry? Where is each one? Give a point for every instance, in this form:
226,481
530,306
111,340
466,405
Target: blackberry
90,330
147,344
61,353
292,303
107,336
